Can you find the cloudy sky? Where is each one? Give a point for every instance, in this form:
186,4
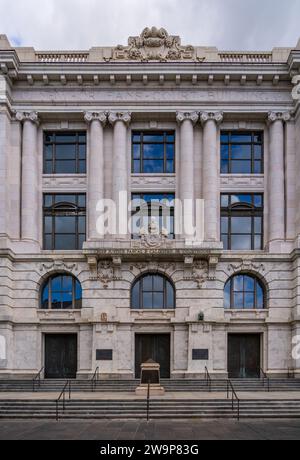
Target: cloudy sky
80,24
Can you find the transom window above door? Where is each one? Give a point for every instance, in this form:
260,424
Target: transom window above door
242,152
244,291
65,152
153,152
61,292
152,291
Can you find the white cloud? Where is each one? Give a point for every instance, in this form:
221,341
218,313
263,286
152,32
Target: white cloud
80,24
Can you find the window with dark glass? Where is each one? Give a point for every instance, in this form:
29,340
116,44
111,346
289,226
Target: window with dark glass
61,292
153,152
242,152
64,221
244,292
155,208
64,153
242,221
153,291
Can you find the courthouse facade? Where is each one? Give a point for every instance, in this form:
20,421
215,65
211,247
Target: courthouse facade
154,120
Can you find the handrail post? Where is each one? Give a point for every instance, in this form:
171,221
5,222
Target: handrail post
148,401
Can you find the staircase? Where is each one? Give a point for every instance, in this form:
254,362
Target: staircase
159,409
127,386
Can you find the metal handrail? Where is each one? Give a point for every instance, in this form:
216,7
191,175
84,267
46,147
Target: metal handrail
37,378
67,387
148,402
234,396
265,377
95,378
208,379
291,373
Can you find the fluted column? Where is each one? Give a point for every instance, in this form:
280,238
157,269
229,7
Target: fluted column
187,186
211,175
120,122
30,199
291,180
276,176
96,121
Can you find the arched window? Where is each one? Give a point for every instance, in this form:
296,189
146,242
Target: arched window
244,292
153,291
61,292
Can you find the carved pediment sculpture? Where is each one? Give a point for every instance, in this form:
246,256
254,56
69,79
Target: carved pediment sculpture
154,237
154,45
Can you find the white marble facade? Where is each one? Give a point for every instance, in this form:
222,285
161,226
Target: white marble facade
155,83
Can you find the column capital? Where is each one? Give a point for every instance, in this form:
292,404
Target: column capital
125,117
96,116
215,116
27,116
183,116
279,116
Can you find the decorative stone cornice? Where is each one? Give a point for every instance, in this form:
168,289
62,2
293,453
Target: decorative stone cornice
113,117
27,116
154,45
96,116
278,116
215,116
183,116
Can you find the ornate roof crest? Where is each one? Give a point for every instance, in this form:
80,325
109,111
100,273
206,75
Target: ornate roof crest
154,45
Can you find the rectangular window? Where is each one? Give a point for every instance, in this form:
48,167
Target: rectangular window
155,210
65,152
242,152
64,221
153,152
242,221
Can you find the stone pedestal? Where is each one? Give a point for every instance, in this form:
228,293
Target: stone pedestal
150,373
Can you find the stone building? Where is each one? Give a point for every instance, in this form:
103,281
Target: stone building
155,119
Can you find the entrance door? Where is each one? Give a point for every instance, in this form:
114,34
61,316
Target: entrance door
60,356
156,347
244,356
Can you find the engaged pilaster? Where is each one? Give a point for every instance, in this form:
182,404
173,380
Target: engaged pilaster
211,177
30,199
96,121
120,121
276,176
187,121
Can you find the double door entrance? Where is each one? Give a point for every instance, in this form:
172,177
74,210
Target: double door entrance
244,356
155,347
60,356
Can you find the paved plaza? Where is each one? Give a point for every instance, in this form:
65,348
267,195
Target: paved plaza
154,430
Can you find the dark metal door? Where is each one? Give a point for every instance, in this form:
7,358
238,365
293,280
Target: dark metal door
60,356
244,356
156,347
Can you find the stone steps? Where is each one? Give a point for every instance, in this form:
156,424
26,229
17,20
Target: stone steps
136,409
169,385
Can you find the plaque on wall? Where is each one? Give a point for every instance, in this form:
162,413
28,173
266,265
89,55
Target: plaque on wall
200,355
104,355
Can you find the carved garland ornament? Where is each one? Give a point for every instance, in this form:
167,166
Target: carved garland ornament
58,265
154,45
247,266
